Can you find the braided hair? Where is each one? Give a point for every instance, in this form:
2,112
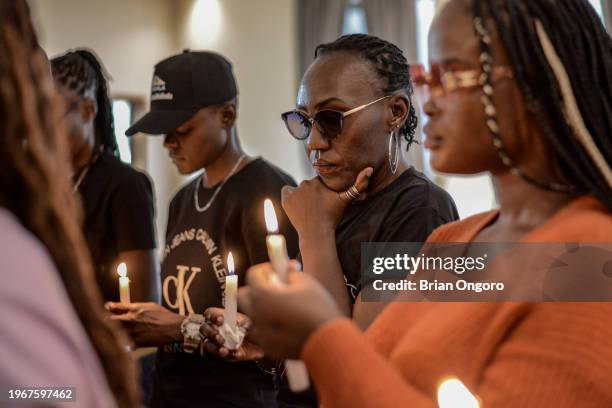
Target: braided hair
81,72
390,64
35,186
585,51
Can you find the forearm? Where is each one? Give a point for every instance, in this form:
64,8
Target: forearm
361,378
320,260
166,334
364,313
172,331
148,324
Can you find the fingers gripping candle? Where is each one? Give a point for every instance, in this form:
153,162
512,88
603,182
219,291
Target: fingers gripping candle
277,252
124,283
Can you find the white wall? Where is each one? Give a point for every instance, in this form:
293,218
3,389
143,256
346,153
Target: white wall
259,38
128,35
131,36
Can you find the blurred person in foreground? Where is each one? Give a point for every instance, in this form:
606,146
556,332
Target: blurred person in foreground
53,331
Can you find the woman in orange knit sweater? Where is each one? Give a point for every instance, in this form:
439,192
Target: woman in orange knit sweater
521,89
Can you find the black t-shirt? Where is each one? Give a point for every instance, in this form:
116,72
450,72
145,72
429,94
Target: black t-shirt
119,216
193,275
407,210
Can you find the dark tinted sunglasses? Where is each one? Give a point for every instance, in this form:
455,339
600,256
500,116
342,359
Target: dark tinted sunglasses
328,122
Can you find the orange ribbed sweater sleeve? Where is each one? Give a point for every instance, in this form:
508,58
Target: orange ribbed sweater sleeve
348,372
559,355
553,355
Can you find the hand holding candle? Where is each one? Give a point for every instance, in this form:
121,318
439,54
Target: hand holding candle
277,252
124,283
232,334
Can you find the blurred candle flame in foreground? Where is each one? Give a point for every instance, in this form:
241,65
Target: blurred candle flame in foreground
452,393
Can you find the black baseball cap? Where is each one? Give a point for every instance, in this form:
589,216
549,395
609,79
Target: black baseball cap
181,86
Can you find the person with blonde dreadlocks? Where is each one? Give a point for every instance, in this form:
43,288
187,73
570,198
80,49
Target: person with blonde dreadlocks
118,200
53,330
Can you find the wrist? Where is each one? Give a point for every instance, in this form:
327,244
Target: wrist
317,324
174,331
317,236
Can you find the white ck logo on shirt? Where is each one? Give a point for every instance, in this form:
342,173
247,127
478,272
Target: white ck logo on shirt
182,301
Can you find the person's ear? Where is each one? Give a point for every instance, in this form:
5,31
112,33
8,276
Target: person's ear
399,107
89,109
228,115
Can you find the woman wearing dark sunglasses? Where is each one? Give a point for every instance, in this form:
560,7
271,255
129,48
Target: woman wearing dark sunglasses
521,89
354,113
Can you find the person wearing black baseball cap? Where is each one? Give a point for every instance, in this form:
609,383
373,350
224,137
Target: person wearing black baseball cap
194,104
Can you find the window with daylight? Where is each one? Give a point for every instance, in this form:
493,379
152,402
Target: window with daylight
123,112
425,11
598,8
354,19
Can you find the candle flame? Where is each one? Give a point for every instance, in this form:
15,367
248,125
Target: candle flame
230,263
122,269
452,393
270,215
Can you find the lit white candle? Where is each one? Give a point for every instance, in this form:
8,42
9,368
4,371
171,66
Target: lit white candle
452,393
231,291
277,246
124,283
277,252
